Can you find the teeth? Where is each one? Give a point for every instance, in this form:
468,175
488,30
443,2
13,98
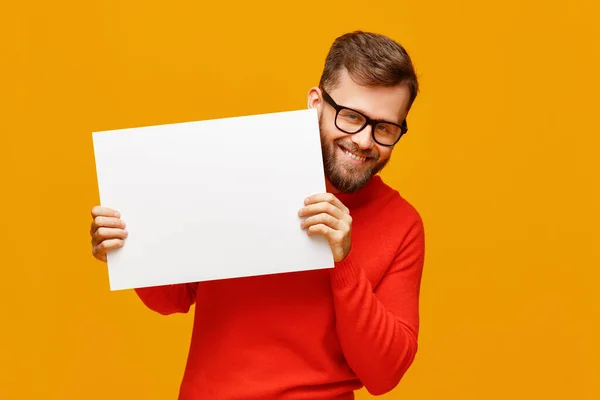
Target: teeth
354,156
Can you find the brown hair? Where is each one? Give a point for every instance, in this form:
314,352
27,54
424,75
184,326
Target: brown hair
371,59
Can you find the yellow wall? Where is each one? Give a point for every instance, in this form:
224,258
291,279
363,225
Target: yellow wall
501,160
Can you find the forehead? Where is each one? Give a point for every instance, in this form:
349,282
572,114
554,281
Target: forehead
377,102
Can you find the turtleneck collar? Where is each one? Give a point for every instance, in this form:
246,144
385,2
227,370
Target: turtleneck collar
357,199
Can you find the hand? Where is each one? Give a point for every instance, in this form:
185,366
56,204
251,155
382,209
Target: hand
328,216
107,231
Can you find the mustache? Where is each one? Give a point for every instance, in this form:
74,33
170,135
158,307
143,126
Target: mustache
349,145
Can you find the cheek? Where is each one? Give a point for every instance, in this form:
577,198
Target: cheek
331,137
329,133
384,153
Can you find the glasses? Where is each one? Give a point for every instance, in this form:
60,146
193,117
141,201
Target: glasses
351,121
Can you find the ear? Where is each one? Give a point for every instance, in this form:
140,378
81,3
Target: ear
315,100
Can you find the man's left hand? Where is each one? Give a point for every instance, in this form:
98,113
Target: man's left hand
326,215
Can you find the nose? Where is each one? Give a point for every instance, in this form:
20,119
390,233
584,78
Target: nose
364,138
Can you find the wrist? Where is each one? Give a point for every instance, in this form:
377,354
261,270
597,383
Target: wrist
344,273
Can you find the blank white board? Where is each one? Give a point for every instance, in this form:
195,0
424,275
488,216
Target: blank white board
212,199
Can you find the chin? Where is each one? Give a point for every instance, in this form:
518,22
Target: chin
348,182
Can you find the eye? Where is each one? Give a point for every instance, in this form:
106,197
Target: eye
383,128
351,116
387,130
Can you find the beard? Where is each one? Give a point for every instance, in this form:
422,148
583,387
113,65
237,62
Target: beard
344,176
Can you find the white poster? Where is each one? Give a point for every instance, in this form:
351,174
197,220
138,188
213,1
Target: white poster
212,199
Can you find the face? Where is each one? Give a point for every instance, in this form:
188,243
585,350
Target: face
351,160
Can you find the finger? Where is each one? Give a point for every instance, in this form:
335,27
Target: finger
322,207
109,233
327,197
322,218
107,222
320,229
99,211
99,251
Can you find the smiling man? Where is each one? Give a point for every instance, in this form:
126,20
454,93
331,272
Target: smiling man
318,334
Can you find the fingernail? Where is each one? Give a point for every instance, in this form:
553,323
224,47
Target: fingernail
306,201
117,214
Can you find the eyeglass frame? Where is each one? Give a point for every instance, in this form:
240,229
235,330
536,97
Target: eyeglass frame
368,121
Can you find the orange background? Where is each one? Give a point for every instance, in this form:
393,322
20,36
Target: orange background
501,160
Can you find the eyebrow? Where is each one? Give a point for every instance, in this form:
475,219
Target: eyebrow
361,111
367,114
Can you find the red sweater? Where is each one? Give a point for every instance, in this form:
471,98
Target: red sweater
310,335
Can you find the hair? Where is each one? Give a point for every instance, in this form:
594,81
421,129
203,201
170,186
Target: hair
371,59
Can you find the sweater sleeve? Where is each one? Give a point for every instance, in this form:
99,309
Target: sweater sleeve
169,299
378,328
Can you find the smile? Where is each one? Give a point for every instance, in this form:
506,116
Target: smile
353,156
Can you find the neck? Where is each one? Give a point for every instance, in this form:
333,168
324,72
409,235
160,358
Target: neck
330,188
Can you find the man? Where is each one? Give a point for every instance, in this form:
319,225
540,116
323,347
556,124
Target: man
318,334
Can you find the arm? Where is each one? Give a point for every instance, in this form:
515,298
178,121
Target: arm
378,328
108,233
169,299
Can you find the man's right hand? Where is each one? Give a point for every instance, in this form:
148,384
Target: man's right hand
107,231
